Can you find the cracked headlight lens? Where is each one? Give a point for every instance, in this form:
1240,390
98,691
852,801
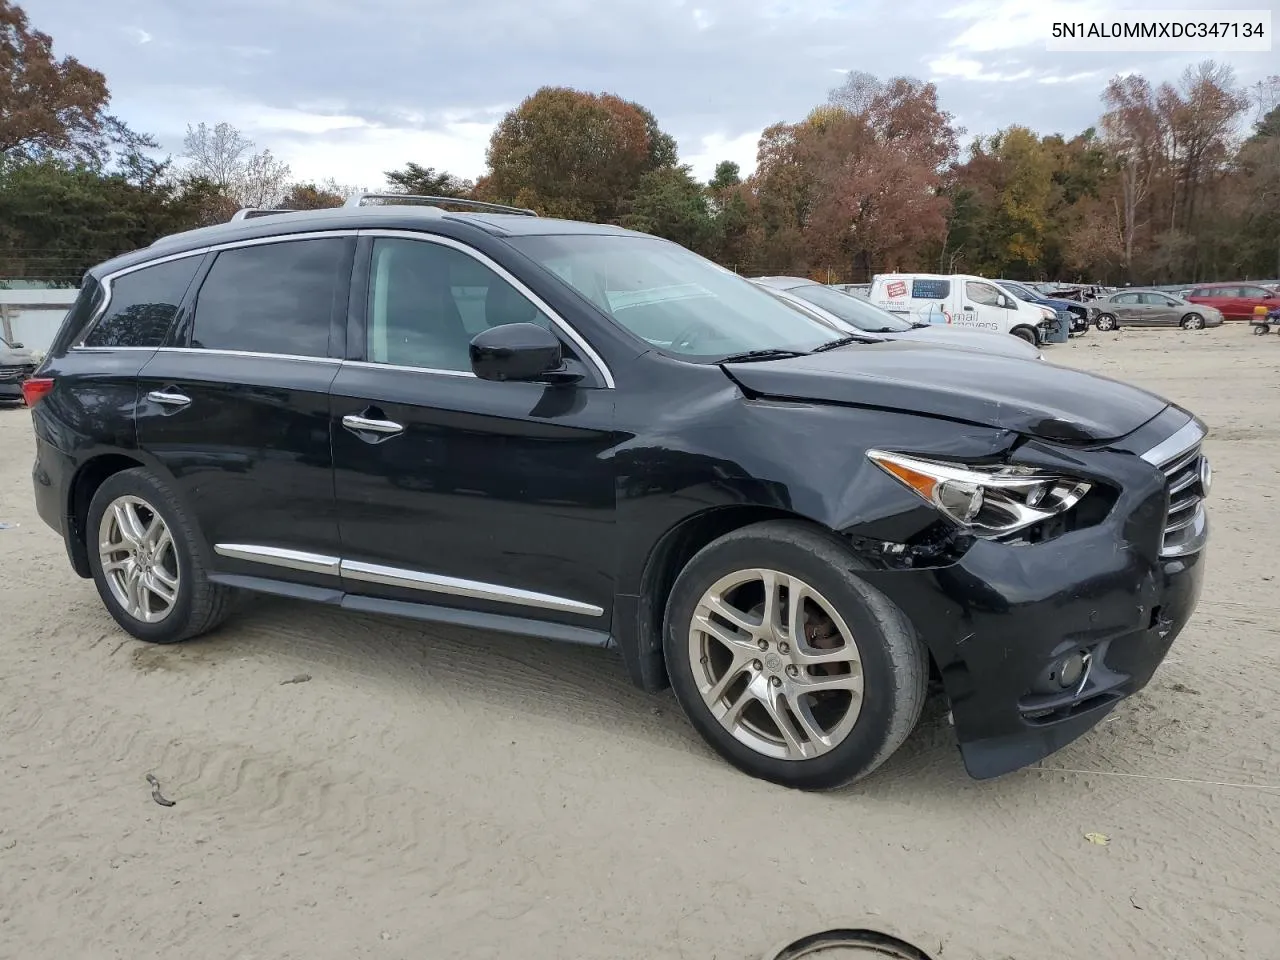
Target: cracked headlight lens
987,501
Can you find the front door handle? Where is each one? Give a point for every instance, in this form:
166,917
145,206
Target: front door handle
168,398
360,424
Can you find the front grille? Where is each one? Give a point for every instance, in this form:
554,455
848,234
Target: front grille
1184,523
16,374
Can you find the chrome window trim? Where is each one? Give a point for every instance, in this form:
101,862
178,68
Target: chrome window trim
399,577
561,324
374,365
455,587
252,354
564,327
115,275
280,557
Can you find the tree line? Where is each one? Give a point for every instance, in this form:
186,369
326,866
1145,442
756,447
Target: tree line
1171,185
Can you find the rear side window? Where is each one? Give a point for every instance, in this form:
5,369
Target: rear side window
930,289
143,304
271,298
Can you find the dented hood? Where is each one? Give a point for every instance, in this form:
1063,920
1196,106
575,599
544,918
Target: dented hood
1027,396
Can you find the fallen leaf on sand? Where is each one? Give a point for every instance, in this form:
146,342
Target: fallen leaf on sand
1101,839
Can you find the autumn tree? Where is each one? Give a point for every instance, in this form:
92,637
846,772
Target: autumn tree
49,105
572,154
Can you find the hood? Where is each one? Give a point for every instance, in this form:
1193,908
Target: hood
14,357
958,338
1034,399
1054,304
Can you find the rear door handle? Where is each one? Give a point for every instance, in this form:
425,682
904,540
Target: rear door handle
360,424
168,399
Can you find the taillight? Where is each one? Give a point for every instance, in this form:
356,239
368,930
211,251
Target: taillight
36,389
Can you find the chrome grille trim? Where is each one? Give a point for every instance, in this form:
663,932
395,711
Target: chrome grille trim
1179,458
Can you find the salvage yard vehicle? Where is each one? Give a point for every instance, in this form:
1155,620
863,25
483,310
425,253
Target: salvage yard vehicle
1077,315
468,414
16,365
853,315
963,301
1153,308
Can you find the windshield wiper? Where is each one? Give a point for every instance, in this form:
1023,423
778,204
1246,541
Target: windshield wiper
750,355
920,326
842,342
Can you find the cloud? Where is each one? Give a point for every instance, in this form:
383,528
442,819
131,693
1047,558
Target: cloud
370,86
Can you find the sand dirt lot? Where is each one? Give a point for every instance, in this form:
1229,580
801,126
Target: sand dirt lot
436,793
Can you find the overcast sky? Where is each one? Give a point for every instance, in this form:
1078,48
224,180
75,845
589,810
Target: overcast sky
350,89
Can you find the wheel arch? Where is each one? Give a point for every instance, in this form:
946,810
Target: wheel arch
638,627
1035,334
90,475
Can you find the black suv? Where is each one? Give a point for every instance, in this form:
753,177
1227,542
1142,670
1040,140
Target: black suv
586,434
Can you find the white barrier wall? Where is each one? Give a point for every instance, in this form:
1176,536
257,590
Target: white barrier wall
32,317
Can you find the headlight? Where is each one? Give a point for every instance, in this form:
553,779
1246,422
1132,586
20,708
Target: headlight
987,501
1049,314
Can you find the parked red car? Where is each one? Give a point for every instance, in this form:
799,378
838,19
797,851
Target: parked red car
1235,300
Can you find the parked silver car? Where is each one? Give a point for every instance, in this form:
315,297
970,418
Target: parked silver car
857,317
1153,308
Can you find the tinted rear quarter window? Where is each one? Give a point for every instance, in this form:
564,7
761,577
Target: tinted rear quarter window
143,304
271,298
930,289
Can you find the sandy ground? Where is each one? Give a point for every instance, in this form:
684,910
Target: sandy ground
434,793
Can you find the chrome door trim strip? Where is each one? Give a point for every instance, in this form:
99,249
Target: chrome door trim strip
280,557
563,325
400,577
454,587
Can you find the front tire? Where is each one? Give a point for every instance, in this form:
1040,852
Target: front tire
812,701
146,561
1193,321
1027,334
1106,322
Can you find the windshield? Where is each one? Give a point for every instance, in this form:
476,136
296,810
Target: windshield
1021,292
860,313
674,299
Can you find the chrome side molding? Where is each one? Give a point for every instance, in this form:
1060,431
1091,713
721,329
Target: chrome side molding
400,577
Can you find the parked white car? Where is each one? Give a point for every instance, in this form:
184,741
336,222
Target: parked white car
960,300
852,315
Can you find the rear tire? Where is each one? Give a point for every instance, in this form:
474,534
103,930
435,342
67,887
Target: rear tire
1106,322
1192,321
144,553
746,686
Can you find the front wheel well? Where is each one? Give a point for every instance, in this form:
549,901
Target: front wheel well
91,475
668,557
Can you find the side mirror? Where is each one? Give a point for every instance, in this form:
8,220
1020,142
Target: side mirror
521,352
1006,301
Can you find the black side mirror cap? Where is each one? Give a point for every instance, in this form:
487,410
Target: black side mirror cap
523,352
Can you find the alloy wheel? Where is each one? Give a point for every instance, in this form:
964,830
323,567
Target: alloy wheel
776,664
139,560
1193,321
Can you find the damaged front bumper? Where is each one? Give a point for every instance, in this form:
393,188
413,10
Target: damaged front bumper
1036,643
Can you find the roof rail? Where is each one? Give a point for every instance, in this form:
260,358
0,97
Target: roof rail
249,213
357,200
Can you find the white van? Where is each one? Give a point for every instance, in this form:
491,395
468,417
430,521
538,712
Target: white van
960,300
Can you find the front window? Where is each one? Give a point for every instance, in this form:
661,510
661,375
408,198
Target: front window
672,298
860,313
982,293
